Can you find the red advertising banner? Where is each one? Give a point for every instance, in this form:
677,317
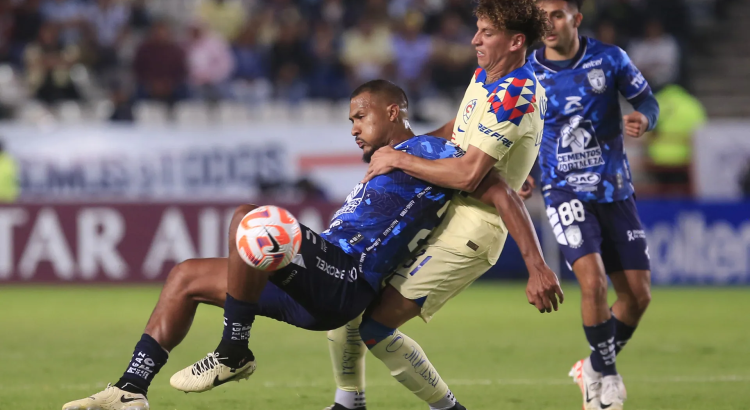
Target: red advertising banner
126,242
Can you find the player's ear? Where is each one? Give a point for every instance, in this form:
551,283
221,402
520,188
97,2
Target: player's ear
393,112
577,19
517,41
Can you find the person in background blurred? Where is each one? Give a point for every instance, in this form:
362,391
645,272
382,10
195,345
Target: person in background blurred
367,51
6,29
140,17
657,55
670,145
625,16
331,12
210,63
160,67
745,181
606,32
327,79
250,78
224,17
27,20
69,16
122,104
8,176
290,62
412,50
108,20
453,57
48,64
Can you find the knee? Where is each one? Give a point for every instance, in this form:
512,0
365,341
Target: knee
642,300
181,278
594,286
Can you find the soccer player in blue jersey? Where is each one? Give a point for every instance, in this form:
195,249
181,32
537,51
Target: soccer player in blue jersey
587,188
336,276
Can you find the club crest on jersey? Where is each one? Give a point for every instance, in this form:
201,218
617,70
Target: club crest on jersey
574,236
577,146
597,80
468,110
353,200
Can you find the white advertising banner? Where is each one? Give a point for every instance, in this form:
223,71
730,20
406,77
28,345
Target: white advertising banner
109,162
721,154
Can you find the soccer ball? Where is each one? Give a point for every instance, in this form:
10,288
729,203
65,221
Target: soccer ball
268,238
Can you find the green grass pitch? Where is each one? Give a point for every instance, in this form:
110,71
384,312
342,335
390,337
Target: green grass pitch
493,349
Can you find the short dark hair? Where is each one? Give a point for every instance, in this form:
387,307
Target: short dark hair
522,16
392,93
577,3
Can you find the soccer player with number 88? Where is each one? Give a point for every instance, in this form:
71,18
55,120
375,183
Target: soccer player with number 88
587,189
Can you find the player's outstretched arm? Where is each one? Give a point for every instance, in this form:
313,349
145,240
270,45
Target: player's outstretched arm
543,288
464,173
445,132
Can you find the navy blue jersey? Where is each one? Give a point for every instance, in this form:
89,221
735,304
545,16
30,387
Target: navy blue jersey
382,221
582,146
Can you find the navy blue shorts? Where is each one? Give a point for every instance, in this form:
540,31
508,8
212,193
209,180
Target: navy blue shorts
612,230
322,289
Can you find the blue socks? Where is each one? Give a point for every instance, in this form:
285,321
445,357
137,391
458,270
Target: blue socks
623,333
148,359
238,319
602,341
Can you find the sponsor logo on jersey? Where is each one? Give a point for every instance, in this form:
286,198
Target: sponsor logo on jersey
592,64
468,110
574,236
485,130
356,238
573,104
638,80
353,200
584,181
577,146
597,80
334,224
336,272
636,234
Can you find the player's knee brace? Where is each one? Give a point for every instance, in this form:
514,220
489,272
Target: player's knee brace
373,332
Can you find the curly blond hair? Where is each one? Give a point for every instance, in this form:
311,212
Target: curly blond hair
522,16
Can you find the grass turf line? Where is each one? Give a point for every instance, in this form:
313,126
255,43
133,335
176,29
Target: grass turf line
495,350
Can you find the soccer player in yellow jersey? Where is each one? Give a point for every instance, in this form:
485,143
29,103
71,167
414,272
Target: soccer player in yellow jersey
499,124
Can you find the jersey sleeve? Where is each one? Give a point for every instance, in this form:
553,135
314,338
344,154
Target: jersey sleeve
630,81
502,124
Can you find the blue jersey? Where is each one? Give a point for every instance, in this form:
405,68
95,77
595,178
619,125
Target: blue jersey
383,221
582,145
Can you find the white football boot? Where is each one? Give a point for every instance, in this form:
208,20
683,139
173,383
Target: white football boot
111,398
208,373
613,394
590,382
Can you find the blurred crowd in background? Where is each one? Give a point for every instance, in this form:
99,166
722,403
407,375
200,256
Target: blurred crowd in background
290,50
110,56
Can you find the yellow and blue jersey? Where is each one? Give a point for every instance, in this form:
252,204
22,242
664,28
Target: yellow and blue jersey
582,149
503,118
384,220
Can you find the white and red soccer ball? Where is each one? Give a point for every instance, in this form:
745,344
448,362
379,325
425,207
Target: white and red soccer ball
268,238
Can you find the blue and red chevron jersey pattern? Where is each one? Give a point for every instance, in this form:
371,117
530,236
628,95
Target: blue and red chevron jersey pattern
382,221
511,106
582,145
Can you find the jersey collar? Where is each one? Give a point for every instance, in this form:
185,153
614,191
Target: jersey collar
481,76
551,66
